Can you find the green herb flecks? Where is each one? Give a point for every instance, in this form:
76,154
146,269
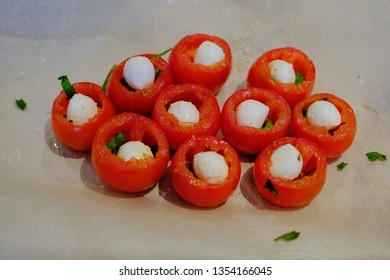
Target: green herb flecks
21,104
299,78
107,77
268,185
341,166
67,86
374,156
268,125
299,157
157,72
163,53
288,236
116,141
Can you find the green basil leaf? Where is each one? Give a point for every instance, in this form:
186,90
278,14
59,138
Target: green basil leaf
341,166
299,78
374,156
268,125
67,86
116,141
107,77
21,104
157,72
288,236
268,185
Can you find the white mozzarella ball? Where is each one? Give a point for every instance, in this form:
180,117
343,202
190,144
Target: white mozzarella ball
81,108
185,111
208,53
323,113
134,149
251,113
282,71
211,167
139,72
286,162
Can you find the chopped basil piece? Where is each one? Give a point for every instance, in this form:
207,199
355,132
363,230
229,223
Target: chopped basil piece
288,236
67,86
116,141
21,104
341,166
299,78
161,54
268,125
268,185
299,157
157,72
374,156
108,76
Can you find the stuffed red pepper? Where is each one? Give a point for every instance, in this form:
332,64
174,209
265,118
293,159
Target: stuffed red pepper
287,71
134,85
326,120
205,171
201,59
185,110
77,113
130,153
252,118
290,172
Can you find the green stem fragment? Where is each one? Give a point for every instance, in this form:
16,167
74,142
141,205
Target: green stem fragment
116,141
107,77
67,86
163,53
157,72
268,125
288,236
269,186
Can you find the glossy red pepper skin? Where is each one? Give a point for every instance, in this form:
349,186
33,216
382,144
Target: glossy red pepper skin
139,101
184,70
202,98
248,139
134,175
197,191
80,137
291,193
259,74
334,142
